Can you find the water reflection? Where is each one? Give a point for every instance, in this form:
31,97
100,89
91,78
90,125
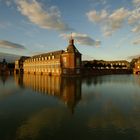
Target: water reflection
4,78
112,79
66,89
105,107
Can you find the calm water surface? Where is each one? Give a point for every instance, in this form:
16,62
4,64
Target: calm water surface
54,108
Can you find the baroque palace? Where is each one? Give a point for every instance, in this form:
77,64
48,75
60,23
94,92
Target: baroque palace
63,62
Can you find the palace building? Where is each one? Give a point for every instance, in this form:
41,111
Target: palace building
136,69
63,62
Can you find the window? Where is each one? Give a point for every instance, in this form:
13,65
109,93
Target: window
77,61
78,71
64,61
64,71
57,71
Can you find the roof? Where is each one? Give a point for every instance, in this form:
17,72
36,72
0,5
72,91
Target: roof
55,53
71,47
24,57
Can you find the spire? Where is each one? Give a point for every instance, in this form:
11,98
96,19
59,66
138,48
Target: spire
71,47
71,41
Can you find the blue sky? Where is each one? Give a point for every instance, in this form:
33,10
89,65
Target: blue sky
102,29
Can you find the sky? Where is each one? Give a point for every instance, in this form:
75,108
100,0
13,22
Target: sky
102,29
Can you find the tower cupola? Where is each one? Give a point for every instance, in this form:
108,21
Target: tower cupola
71,47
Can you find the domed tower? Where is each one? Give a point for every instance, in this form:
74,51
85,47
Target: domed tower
71,60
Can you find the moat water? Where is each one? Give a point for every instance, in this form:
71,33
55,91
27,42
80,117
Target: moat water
54,108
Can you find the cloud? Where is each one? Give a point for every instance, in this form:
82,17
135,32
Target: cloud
107,31
109,22
136,41
8,3
95,16
136,2
118,17
134,16
115,21
83,39
134,20
48,19
10,45
136,29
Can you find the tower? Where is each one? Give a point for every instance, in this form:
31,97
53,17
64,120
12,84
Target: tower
71,59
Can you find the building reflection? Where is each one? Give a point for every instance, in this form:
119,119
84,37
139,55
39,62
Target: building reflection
66,89
19,80
4,78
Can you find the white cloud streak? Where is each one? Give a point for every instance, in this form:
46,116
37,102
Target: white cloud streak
10,45
49,18
83,39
